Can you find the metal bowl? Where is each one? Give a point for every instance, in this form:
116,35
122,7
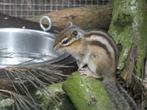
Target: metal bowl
26,46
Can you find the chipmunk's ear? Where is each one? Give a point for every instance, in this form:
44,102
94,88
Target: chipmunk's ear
74,33
69,24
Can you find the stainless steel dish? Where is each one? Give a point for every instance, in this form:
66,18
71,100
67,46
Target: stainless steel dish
26,46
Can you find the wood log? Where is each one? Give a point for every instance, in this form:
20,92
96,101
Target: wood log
85,17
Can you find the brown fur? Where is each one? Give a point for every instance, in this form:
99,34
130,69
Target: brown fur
109,39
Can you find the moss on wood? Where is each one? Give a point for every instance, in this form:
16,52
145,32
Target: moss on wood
128,27
87,93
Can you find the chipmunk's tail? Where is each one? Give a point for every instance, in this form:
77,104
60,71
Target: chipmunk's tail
120,98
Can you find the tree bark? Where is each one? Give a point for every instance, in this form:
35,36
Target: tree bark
128,28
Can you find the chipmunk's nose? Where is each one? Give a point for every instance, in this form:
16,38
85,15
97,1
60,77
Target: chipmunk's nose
56,47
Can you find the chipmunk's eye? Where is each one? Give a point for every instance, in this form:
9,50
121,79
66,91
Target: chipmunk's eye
65,41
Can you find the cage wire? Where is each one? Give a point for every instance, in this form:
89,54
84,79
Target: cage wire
30,8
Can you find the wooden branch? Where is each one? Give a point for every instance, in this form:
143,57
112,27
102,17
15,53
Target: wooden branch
85,17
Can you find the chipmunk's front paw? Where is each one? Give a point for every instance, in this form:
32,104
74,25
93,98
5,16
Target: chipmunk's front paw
86,71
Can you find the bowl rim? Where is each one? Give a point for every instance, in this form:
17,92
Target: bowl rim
26,30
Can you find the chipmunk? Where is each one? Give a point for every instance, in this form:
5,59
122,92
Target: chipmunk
95,50
98,52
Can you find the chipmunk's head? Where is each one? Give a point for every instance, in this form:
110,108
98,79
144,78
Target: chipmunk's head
67,37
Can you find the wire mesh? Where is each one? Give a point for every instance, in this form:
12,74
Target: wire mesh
30,8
